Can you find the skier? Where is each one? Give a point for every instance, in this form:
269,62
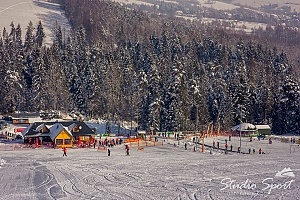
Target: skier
214,144
108,152
64,149
260,151
185,146
127,149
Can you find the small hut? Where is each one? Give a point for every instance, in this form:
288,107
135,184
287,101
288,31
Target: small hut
263,129
245,129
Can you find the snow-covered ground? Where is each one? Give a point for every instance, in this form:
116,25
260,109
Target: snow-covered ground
134,2
23,11
160,172
217,5
294,4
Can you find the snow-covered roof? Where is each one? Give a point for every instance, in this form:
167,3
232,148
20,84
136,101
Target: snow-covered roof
263,126
55,129
48,126
244,127
71,126
40,127
141,131
26,130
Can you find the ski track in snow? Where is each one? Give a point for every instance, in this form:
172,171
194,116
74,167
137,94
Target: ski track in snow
163,172
14,5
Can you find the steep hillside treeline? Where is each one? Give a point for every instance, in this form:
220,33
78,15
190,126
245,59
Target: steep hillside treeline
168,74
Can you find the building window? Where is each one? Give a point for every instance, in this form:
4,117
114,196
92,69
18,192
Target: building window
68,141
76,128
59,142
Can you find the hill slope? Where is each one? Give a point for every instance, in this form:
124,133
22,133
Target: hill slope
23,11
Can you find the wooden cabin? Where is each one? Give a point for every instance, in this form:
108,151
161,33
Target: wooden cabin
58,134
61,136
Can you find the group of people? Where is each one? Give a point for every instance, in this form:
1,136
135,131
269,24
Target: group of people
64,149
126,150
226,145
293,140
106,142
260,151
110,143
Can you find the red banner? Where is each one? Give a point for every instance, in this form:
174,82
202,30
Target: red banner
19,129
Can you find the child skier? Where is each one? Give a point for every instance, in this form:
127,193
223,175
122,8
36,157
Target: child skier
64,149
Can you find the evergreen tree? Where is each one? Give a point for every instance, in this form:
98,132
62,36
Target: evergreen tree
155,102
286,118
39,90
40,35
29,38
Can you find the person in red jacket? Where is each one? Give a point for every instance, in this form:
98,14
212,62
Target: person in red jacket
64,149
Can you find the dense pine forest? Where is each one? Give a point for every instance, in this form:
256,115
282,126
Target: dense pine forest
160,71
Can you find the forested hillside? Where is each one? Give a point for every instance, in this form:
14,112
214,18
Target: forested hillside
166,73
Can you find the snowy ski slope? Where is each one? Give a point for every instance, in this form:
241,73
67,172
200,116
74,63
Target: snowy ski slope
161,172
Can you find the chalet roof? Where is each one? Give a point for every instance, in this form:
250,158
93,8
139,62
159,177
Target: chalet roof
55,129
